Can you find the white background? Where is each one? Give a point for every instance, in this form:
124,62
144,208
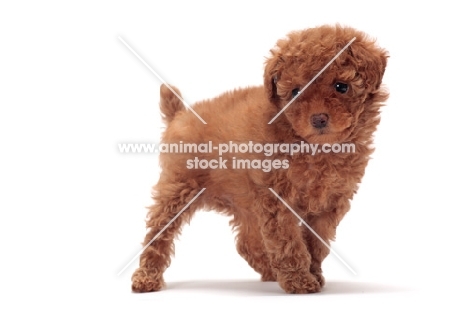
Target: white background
72,208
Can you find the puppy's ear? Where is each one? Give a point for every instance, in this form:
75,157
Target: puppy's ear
383,56
383,59
271,76
371,63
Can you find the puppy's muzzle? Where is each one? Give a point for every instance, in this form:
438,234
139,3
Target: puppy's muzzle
319,121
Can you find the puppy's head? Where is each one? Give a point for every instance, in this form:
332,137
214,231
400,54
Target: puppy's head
342,99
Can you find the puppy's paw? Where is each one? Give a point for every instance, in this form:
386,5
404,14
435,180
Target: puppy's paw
299,283
268,277
144,281
318,275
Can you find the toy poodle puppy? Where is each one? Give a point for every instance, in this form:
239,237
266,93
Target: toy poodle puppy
340,106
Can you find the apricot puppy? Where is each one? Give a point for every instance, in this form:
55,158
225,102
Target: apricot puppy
340,107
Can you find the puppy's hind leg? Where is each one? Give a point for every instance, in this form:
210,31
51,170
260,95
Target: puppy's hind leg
170,199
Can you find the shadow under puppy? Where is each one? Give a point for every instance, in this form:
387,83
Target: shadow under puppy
340,106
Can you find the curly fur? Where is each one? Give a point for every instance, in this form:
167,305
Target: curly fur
318,187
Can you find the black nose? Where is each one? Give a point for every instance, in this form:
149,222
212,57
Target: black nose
319,121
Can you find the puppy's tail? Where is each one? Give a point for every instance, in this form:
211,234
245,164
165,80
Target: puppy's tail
169,103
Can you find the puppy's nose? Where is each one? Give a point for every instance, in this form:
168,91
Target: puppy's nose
319,121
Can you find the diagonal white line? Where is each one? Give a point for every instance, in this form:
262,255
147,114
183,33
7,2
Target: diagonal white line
313,79
160,79
162,230
313,231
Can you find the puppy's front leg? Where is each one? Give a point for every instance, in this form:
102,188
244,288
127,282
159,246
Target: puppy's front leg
289,256
325,229
324,226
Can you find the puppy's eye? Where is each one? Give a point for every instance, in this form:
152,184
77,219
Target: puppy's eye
341,87
295,92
